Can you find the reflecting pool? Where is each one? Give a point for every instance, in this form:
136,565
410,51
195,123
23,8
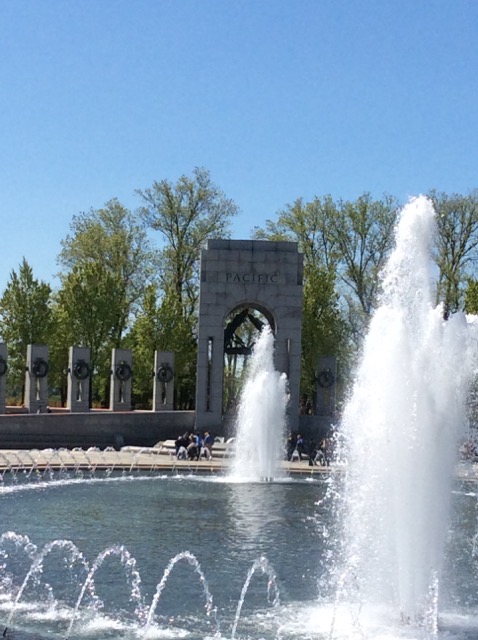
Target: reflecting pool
215,558
226,526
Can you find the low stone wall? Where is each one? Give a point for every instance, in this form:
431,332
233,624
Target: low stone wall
93,429
103,428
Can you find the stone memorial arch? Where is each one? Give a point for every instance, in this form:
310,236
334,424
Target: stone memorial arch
236,276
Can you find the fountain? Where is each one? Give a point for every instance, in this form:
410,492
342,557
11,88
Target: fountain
384,551
261,422
199,555
402,429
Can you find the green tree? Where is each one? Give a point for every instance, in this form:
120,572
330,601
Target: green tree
324,329
306,223
106,263
86,316
186,214
457,241
25,318
161,326
350,239
115,241
361,236
471,297
60,341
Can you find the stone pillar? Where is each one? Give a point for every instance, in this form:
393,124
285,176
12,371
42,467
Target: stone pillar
36,379
121,380
163,385
3,376
326,385
79,378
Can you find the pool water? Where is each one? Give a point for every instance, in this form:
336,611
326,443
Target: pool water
255,561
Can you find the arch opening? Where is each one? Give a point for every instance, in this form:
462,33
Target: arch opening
242,328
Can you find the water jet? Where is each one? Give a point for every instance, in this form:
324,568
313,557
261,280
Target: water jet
261,422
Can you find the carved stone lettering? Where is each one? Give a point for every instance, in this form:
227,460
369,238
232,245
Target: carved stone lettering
252,278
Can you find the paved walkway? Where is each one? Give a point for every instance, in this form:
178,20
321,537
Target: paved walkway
130,458
155,459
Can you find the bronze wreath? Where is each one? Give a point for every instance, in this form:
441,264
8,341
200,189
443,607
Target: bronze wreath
123,372
81,370
40,368
326,379
165,373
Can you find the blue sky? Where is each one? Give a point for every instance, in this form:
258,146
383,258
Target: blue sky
278,99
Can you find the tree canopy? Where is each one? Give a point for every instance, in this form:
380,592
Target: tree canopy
186,214
349,240
116,243
457,242
25,318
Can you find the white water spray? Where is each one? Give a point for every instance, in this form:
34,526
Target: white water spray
260,437
402,427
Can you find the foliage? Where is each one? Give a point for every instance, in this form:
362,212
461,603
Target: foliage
457,221
87,317
349,239
360,236
116,242
344,245
107,262
186,214
162,327
307,224
26,318
471,297
324,330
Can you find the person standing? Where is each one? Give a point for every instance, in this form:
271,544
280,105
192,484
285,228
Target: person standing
207,443
299,445
199,444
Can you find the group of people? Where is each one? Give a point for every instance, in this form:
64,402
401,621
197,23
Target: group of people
317,454
194,446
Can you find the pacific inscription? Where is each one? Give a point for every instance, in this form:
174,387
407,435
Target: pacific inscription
252,278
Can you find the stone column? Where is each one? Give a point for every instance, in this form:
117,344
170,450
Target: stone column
36,379
121,380
326,385
79,378
3,376
163,385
